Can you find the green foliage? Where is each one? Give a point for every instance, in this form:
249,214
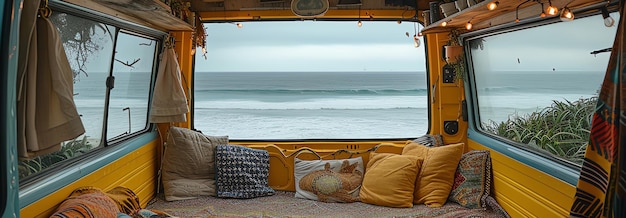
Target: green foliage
68,150
561,129
454,37
459,68
459,63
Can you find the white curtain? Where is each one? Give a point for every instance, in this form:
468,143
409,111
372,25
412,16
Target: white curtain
169,102
46,111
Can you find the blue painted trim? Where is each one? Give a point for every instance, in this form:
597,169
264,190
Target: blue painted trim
9,14
549,167
43,188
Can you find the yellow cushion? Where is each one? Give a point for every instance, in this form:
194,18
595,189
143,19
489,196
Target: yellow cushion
389,180
434,181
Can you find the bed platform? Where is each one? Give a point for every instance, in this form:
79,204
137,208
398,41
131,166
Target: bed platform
284,204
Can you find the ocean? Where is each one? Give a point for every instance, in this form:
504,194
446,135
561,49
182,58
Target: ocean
311,105
361,105
505,93
324,105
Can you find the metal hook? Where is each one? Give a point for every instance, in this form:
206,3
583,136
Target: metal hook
169,41
44,10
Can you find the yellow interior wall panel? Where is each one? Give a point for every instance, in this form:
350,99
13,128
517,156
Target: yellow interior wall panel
282,156
136,170
185,61
524,191
183,45
446,98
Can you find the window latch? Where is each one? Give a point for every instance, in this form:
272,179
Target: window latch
601,51
110,82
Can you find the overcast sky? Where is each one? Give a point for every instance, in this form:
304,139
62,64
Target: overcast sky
384,46
311,46
564,46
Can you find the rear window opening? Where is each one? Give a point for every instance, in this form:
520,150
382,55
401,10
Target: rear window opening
311,80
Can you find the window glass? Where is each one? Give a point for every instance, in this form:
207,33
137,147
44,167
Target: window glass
132,69
311,80
88,46
538,86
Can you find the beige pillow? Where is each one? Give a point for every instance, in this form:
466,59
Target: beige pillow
434,181
188,164
390,179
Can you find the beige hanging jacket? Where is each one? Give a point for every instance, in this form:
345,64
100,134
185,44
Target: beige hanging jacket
47,114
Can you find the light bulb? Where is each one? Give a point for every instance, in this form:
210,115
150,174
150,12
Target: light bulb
552,10
416,41
419,34
359,23
566,15
445,23
542,15
608,20
239,25
468,26
516,20
399,22
492,5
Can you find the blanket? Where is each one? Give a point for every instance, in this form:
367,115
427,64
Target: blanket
284,204
92,202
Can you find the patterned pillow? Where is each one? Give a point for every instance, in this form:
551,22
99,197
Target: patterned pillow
472,180
430,140
329,180
241,172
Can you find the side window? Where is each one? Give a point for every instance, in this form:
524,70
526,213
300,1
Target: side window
89,48
128,107
540,93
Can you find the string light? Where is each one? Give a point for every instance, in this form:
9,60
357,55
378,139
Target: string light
566,15
445,23
551,9
492,5
517,10
239,25
468,25
608,20
416,41
402,15
359,23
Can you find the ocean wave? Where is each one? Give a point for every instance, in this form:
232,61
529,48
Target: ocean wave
374,103
319,91
499,88
321,108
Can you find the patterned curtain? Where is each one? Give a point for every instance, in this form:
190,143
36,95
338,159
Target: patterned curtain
601,189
